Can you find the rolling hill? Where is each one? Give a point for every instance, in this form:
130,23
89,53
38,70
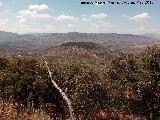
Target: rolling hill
86,52
37,43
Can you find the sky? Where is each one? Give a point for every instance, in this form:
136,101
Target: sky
61,16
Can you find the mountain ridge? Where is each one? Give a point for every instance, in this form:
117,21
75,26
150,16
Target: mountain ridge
38,42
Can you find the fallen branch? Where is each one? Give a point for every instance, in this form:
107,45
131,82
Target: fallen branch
61,92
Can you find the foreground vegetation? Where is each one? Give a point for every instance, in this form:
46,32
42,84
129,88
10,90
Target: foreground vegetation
126,88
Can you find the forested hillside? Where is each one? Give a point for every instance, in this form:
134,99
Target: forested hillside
85,52
126,87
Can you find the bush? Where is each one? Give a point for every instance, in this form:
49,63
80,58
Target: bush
26,83
135,82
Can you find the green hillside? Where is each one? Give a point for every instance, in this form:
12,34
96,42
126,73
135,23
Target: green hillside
127,87
86,45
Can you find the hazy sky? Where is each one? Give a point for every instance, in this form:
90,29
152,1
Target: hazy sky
26,16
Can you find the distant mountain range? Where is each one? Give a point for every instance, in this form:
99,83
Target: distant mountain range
37,43
156,36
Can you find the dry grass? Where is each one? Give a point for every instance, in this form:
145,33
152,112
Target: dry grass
7,112
117,116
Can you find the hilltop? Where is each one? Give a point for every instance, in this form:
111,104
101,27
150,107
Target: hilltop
87,45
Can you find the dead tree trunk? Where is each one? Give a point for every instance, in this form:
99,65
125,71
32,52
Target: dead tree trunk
61,92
